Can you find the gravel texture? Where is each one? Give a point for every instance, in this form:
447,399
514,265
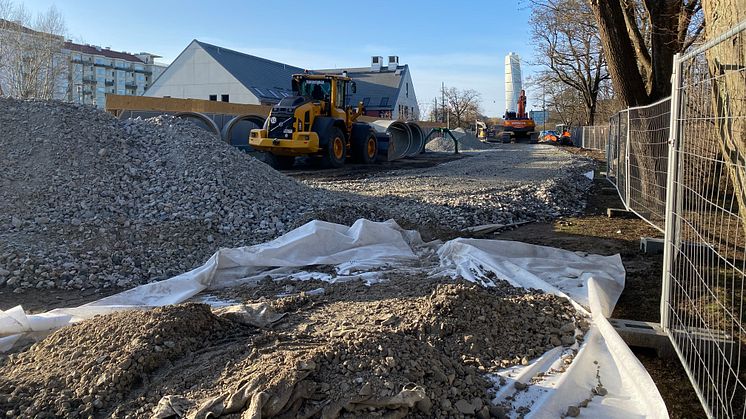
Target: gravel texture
512,183
466,142
88,201
413,346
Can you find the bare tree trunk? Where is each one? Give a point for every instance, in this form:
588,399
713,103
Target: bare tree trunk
628,83
729,90
664,18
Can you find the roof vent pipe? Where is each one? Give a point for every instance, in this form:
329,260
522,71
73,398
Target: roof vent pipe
393,62
376,63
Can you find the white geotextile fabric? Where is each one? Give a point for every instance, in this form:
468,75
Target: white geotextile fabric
592,282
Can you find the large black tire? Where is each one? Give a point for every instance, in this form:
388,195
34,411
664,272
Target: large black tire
279,162
335,153
506,138
365,148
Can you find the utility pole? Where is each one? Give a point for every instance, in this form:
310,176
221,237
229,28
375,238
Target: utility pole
544,106
443,99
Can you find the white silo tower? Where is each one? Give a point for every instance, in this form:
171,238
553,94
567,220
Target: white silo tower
513,84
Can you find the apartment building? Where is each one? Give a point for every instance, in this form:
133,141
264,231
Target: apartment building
94,71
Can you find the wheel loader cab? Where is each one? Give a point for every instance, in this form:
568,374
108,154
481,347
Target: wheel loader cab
316,121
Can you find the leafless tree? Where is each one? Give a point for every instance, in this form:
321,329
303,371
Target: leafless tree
462,106
31,52
649,33
569,48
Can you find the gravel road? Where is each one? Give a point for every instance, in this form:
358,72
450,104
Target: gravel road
509,183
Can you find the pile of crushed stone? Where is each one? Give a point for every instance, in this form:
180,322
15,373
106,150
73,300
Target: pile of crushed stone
409,347
466,142
89,201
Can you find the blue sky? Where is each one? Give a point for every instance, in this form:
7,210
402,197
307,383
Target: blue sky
460,43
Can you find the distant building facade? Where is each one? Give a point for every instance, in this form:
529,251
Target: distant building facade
209,72
94,71
81,73
386,90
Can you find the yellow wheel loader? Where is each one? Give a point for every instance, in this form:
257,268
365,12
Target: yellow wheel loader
316,121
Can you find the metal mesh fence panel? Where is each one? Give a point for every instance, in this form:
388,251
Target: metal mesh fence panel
612,150
648,161
702,307
622,168
576,134
595,137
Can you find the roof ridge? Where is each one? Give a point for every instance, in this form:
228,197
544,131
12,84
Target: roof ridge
203,44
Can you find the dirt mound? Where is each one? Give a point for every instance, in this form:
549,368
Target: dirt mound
466,142
344,353
90,366
88,201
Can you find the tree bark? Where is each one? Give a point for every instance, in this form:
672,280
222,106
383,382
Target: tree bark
729,90
628,83
664,43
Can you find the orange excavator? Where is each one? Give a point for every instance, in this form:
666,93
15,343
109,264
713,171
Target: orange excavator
518,125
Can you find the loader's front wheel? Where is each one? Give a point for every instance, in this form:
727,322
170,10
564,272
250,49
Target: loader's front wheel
336,151
365,149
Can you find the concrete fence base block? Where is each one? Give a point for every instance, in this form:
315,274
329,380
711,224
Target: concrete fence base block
645,335
651,246
620,213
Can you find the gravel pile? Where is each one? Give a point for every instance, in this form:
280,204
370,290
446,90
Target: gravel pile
411,347
466,142
88,201
514,183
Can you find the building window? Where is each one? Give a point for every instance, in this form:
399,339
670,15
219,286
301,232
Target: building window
224,98
214,98
407,89
384,101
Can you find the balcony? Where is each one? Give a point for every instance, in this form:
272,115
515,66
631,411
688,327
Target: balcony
109,82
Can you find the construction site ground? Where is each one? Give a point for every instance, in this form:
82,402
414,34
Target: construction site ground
592,232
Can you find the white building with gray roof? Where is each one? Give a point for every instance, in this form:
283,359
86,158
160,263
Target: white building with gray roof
210,72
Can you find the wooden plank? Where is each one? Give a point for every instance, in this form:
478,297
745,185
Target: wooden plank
116,103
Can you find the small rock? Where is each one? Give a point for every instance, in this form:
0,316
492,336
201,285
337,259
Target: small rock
497,412
572,411
425,406
567,328
464,407
366,390
519,385
567,340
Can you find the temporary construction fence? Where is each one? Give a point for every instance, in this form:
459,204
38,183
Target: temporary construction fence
594,137
702,307
637,156
616,153
680,164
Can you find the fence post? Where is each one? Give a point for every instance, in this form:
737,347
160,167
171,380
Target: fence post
626,167
671,191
